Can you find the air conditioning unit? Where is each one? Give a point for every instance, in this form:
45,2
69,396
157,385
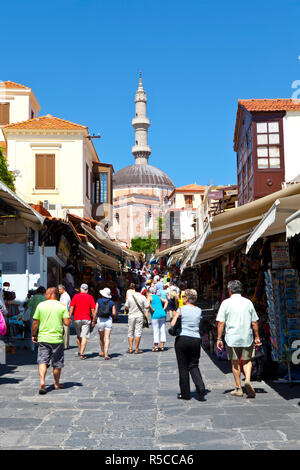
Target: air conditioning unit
46,204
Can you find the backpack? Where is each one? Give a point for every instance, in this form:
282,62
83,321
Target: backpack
105,310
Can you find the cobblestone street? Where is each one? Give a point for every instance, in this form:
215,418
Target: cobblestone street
130,403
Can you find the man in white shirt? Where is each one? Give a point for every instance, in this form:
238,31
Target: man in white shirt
65,299
137,306
237,314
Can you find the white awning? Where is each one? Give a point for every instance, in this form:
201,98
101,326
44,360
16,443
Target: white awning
99,258
100,236
274,221
16,217
232,227
293,225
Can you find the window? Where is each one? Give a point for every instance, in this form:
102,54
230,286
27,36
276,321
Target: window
4,114
44,171
103,188
268,145
188,201
87,181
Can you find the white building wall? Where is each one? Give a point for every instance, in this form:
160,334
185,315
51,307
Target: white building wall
27,275
186,221
69,189
291,129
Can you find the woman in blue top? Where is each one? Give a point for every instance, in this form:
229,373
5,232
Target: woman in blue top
188,346
158,308
105,309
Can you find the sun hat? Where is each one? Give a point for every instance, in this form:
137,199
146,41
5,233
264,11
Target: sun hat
106,293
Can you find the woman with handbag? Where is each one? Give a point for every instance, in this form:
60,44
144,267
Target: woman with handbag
188,345
158,307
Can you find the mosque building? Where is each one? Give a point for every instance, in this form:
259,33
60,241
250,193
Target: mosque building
140,190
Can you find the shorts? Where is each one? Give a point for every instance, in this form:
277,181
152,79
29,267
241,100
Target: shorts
104,324
172,305
82,328
51,353
135,326
237,353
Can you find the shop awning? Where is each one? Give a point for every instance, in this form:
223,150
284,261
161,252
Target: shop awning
98,258
274,221
293,225
102,238
232,225
172,249
132,255
16,217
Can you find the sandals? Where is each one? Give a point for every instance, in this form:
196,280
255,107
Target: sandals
107,358
129,351
82,357
42,391
155,350
162,349
138,351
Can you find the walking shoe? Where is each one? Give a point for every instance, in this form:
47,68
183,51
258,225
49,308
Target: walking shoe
249,390
238,392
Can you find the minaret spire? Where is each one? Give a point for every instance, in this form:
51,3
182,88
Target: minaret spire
141,150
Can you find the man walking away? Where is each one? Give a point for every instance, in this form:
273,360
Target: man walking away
238,316
48,320
137,305
65,299
83,307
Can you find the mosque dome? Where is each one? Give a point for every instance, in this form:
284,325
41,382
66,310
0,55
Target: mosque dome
142,175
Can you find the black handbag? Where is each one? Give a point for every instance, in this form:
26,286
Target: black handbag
175,330
259,353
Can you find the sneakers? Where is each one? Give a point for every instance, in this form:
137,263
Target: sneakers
249,390
238,392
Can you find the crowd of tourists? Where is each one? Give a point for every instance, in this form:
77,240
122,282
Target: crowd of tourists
150,300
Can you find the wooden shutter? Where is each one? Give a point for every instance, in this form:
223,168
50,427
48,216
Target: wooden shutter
45,171
4,114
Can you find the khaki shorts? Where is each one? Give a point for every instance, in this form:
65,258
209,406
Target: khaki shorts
135,326
235,354
82,328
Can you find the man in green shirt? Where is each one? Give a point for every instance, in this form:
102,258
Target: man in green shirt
48,321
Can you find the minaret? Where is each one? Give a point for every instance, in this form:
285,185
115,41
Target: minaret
141,150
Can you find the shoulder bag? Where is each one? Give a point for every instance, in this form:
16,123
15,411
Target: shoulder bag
145,321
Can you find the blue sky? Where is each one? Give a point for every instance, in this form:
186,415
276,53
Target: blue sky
82,59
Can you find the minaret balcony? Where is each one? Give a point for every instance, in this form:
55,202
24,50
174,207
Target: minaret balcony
141,122
141,149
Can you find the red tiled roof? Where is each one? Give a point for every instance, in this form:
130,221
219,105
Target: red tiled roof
12,85
47,122
41,210
191,187
264,105
278,104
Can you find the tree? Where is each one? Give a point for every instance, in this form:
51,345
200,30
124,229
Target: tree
6,176
145,245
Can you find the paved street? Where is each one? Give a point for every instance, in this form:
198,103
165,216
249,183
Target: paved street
130,403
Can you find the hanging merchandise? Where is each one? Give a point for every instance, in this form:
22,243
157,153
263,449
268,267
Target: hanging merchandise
283,297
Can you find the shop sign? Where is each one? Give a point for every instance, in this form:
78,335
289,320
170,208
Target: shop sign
64,248
280,255
215,195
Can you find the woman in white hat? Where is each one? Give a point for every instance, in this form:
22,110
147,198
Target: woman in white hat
105,309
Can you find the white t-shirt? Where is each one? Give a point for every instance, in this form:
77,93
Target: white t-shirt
132,306
65,299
